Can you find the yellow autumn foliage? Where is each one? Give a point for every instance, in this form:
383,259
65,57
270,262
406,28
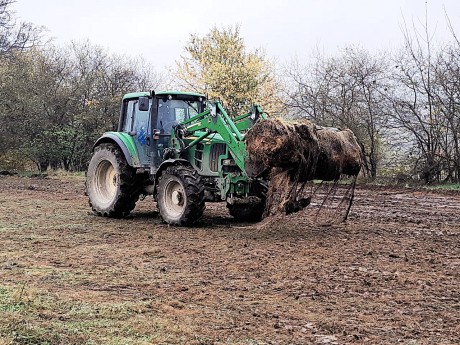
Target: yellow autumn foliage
219,65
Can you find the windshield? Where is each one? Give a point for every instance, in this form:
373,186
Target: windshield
173,112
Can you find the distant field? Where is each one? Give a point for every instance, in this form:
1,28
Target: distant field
390,274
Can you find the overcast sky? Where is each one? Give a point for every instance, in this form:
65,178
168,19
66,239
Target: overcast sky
158,30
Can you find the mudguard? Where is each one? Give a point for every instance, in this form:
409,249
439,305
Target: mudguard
125,142
169,162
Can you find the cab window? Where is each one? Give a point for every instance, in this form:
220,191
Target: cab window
172,112
135,120
129,113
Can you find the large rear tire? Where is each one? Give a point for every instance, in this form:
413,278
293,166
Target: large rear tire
180,196
111,184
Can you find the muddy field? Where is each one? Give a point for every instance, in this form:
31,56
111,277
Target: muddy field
389,275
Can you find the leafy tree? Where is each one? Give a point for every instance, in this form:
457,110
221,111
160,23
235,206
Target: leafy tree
58,101
219,65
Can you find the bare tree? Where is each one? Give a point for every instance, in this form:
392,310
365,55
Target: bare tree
415,107
343,91
15,35
446,95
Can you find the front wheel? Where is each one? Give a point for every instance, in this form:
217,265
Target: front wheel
111,184
180,196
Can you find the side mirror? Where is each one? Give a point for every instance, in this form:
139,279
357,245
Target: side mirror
143,103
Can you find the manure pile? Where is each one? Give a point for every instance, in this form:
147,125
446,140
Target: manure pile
294,154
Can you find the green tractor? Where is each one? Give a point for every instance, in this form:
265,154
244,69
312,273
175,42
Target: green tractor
182,149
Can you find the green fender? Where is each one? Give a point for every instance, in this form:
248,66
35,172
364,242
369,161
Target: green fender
125,142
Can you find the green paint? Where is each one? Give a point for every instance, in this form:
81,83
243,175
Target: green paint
128,141
136,95
160,93
222,125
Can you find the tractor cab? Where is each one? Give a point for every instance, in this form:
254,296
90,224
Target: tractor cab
149,118
170,109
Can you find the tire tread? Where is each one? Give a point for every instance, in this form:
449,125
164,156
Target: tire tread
194,189
130,187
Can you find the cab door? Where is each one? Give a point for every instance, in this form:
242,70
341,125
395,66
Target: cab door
137,124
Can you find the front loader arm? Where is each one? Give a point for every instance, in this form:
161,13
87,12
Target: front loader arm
245,121
216,120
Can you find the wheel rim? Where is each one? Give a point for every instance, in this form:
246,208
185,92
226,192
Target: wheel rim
174,198
106,181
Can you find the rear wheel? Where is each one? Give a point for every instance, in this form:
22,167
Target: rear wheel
180,196
111,184
247,212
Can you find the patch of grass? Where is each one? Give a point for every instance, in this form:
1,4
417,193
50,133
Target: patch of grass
447,186
14,327
7,226
26,334
12,300
29,317
51,174
64,173
29,174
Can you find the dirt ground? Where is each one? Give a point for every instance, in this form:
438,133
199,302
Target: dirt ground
389,275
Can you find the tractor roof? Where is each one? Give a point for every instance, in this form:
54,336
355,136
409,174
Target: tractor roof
161,93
